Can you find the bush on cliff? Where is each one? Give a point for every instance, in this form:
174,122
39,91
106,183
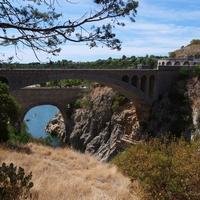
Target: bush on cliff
163,171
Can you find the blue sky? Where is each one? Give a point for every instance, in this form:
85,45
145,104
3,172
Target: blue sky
161,26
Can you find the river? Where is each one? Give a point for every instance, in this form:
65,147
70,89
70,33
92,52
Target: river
36,120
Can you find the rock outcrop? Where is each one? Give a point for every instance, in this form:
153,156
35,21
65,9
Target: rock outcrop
56,126
99,130
188,51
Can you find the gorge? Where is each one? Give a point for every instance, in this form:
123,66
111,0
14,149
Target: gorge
106,122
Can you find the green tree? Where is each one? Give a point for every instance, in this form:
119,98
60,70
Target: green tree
194,41
37,25
9,111
172,54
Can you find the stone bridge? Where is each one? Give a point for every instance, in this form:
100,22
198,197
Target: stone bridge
137,85
59,97
141,86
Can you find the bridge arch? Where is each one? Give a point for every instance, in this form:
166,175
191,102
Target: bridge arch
125,78
4,80
152,79
177,63
26,109
169,63
143,83
32,97
186,63
135,81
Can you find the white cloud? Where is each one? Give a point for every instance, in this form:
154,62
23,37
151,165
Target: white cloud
169,10
158,29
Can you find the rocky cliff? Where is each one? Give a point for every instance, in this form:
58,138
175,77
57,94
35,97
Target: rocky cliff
106,123
102,126
191,50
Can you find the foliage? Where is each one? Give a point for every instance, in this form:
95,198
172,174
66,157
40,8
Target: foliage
82,102
197,70
164,170
9,111
37,26
47,141
24,137
86,101
77,103
183,73
64,83
14,184
178,97
119,99
172,54
194,41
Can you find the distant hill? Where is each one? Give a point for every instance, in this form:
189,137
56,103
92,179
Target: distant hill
191,50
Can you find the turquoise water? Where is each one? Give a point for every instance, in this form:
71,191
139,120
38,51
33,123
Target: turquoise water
38,117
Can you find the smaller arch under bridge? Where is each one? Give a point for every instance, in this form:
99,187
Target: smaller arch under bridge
138,85
59,97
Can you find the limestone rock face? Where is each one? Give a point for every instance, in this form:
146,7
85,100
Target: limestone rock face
188,51
56,126
96,128
100,131
193,88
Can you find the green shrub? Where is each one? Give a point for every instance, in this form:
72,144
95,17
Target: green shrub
77,103
22,137
194,41
119,99
47,141
172,54
183,73
178,97
197,71
163,171
14,184
115,106
86,102
83,102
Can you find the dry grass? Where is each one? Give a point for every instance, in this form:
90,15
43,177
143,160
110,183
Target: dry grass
63,174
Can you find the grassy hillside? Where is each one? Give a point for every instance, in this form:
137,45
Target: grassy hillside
63,174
